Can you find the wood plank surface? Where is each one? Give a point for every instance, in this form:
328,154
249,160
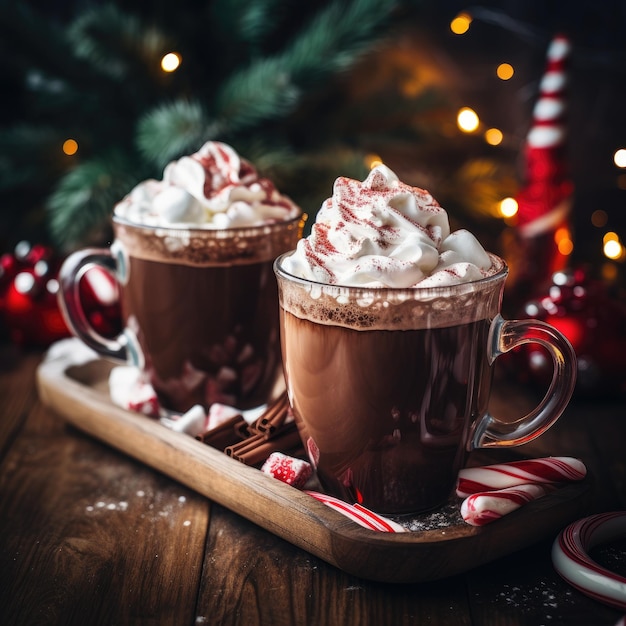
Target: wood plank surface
79,393
111,541
90,536
269,581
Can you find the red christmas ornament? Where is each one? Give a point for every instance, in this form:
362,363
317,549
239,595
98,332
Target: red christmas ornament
29,301
594,321
29,307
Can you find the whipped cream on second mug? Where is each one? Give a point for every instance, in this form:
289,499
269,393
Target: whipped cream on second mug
214,188
384,233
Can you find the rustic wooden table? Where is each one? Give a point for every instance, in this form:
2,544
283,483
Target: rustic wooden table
90,536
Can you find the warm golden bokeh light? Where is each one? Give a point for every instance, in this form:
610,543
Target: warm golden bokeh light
564,241
619,158
170,62
508,207
467,120
461,23
505,71
612,249
493,136
372,160
609,271
70,147
565,246
599,218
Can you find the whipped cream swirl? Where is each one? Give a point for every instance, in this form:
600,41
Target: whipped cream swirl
213,188
384,233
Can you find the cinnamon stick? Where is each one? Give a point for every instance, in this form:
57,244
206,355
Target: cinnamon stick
226,434
257,448
273,417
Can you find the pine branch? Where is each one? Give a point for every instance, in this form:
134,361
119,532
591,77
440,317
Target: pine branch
27,155
246,23
272,87
173,129
338,36
116,42
245,72
84,199
259,21
263,91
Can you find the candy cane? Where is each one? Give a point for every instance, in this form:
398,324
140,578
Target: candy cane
482,508
549,470
359,514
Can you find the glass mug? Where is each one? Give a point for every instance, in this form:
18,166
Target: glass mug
199,308
390,387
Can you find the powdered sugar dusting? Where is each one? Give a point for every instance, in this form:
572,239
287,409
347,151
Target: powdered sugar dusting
544,600
158,509
440,519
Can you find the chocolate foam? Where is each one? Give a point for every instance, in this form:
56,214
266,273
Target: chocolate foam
202,247
393,309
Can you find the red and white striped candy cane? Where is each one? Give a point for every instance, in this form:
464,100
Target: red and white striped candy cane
359,514
482,508
548,470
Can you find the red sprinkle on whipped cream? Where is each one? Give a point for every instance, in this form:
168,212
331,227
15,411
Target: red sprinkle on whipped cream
213,188
384,233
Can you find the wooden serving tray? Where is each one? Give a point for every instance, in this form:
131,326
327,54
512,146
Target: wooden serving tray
77,389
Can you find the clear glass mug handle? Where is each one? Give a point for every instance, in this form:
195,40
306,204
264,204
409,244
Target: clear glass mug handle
73,269
505,335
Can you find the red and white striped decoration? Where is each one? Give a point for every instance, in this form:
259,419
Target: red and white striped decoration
548,470
544,202
572,561
287,469
359,514
485,507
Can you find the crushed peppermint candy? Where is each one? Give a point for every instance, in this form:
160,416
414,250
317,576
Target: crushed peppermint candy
287,469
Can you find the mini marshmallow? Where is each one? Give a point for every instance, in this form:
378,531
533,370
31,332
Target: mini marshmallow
220,413
191,422
128,390
175,205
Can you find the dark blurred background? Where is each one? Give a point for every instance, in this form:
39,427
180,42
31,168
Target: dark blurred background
307,92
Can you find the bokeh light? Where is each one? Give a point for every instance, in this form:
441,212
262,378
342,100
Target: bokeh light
461,23
508,207
611,246
70,147
612,249
563,240
372,160
467,120
505,71
619,157
599,218
170,62
493,136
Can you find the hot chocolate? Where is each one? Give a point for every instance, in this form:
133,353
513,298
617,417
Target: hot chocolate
384,400
390,326
206,326
193,258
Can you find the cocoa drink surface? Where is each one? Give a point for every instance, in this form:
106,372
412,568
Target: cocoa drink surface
386,411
